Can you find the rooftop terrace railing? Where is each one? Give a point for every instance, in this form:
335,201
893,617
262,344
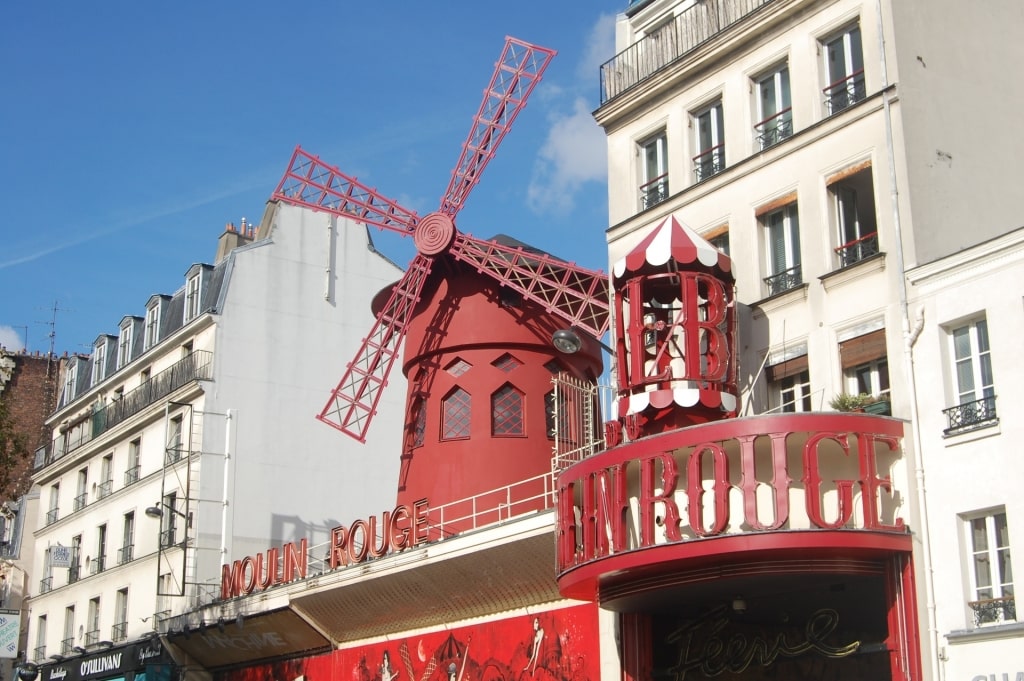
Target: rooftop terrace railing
671,42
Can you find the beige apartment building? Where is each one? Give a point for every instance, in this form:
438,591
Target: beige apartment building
857,160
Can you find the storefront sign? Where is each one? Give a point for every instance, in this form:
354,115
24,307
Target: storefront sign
398,529
685,485
10,625
109,663
1005,676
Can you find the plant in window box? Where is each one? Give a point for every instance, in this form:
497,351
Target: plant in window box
850,402
879,406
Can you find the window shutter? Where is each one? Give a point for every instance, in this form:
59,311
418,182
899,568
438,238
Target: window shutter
862,349
790,367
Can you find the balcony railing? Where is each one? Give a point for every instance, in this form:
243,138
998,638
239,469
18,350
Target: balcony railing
197,366
52,515
67,646
125,554
859,249
654,192
774,129
845,92
167,537
39,654
46,585
131,476
80,501
709,162
92,637
672,42
970,415
119,632
784,281
97,565
104,489
993,610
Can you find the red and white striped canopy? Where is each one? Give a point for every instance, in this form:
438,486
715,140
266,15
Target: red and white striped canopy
672,240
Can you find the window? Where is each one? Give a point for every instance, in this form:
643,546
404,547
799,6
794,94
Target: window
168,521
844,70
991,572
419,424
790,385
119,632
39,654
151,331
92,632
865,364
70,382
99,563
507,411
68,642
782,237
174,444
455,415
853,198
106,485
710,141
774,108
975,390
99,362
458,367
721,242
192,293
653,171
127,550
75,569
131,474
124,344
82,496
54,512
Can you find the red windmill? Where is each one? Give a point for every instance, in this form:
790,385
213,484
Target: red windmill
460,295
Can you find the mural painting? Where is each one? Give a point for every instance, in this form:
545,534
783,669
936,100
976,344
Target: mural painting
556,645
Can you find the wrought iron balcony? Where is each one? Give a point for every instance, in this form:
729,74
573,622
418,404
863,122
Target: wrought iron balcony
784,281
104,489
654,192
672,42
39,653
858,249
125,554
119,632
80,501
774,129
97,565
167,537
992,610
52,515
92,637
67,646
846,92
131,476
970,415
45,585
709,162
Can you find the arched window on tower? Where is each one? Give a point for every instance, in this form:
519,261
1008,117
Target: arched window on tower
507,411
455,415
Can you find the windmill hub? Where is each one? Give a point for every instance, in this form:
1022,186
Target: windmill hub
434,234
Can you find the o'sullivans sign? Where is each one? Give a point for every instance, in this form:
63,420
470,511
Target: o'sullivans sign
398,529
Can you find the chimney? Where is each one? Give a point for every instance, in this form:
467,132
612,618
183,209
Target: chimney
233,237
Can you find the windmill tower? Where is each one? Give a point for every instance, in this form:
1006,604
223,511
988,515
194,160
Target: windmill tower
476,317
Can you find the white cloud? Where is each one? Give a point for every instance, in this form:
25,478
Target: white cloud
598,48
574,153
11,339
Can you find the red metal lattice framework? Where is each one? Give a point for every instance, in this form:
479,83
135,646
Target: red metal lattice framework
576,294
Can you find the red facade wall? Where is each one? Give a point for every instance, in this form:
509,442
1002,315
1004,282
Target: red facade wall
29,396
556,645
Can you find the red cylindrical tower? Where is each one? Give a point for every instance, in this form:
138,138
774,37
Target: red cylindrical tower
479,363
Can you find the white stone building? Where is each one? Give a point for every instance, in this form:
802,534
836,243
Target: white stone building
190,436
853,158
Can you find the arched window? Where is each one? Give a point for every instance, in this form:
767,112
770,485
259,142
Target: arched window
455,413
507,411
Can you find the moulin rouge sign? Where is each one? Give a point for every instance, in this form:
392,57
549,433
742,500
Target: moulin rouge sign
395,530
743,474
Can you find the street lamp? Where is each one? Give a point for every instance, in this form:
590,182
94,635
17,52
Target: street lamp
157,511
567,341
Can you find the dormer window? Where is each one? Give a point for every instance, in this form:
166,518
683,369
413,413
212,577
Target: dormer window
124,344
151,334
70,382
192,294
99,361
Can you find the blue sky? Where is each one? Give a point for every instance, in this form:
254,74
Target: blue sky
130,133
